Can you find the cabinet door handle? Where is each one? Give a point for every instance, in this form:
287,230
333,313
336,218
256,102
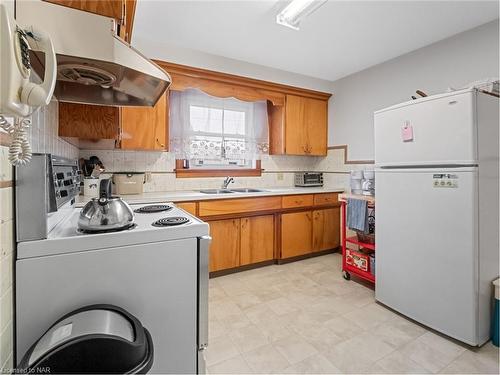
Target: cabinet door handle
161,144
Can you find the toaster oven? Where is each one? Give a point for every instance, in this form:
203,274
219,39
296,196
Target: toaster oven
306,179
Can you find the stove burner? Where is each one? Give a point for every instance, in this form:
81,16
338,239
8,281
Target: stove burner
171,221
153,208
128,227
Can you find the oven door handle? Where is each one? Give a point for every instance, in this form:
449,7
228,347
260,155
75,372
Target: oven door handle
203,259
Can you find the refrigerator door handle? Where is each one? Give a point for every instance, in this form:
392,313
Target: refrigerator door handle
203,259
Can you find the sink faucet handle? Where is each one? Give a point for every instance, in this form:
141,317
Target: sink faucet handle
227,181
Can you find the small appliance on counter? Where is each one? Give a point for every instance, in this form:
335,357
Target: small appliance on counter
363,182
368,183
356,182
127,183
308,179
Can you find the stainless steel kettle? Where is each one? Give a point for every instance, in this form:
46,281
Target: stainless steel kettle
106,212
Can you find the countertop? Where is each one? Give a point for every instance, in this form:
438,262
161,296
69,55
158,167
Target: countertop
192,195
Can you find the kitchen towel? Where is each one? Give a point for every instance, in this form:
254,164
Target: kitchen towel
357,214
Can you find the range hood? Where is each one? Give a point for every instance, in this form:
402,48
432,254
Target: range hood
94,65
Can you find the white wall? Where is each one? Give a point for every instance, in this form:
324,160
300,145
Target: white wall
185,56
452,62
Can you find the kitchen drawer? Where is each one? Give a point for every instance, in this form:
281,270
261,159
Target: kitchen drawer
188,206
234,206
302,200
324,199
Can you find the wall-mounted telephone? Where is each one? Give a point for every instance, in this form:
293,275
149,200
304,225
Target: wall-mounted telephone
19,97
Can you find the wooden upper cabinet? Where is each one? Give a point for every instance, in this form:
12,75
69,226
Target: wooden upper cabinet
145,128
109,8
326,229
257,239
225,245
306,126
296,234
135,128
88,121
122,11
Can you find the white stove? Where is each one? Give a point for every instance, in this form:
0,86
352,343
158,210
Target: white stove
157,269
65,237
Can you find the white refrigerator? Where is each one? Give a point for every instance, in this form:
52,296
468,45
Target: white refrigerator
437,201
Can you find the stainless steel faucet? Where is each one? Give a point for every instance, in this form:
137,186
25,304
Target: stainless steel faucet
227,181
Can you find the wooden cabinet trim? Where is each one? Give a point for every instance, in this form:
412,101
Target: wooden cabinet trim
196,74
181,172
108,8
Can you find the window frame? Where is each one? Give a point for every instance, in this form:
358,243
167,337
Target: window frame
256,171
182,172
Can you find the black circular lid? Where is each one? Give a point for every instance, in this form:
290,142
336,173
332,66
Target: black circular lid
171,221
153,208
98,352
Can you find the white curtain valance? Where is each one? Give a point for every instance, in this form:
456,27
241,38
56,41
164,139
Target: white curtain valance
206,127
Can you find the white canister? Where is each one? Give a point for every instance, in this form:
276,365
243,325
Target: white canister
91,187
356,182
369,174
357,175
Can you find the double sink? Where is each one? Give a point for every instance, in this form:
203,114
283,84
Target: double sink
229,191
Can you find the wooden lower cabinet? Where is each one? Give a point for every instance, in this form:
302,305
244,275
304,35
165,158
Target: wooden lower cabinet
326,229
225,246
246,240
257,239
296,234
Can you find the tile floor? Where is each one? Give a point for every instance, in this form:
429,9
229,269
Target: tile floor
303,317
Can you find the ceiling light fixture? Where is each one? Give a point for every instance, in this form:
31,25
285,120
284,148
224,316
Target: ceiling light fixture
296,10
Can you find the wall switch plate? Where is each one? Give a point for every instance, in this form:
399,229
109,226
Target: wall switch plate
279,176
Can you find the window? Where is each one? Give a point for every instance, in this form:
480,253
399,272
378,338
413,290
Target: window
217,133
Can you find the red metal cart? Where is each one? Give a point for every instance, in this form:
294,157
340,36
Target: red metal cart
348,269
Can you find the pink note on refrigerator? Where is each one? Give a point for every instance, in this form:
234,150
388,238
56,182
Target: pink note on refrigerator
407,132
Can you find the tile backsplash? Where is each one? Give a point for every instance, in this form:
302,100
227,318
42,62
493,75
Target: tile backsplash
43,133
278,170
